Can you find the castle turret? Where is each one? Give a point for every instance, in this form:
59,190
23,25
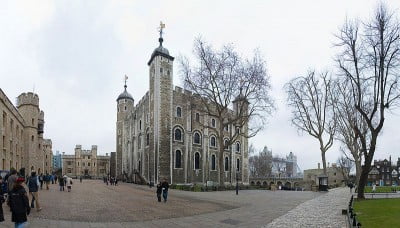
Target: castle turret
161,87
28,107
125,106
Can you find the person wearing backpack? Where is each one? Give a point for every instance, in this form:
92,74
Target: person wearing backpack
19,204
33,186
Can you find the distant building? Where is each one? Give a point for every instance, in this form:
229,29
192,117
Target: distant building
384,173
57,162
285,167
86,163
21,135
334,173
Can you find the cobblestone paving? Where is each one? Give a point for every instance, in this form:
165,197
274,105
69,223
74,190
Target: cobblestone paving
323,211
93,204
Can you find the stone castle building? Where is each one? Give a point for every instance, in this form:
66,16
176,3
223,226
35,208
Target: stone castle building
21,135
168,135
86,163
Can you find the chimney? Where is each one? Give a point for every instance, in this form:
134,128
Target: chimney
319,166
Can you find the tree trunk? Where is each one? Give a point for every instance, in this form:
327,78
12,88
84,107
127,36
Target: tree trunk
323,160
358,170
362,183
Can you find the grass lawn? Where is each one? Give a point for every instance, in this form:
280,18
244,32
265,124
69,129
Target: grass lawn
382,189
378,212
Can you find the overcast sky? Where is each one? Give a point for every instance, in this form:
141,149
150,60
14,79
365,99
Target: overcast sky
74,55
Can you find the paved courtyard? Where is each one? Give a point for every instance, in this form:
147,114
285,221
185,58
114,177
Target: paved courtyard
93,204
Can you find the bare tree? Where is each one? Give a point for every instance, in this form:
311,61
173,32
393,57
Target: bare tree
345,165
347,120
261,164
369,59
232,90
312,108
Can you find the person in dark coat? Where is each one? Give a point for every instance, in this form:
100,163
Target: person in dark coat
159,191
1,200
19,204
165,186
61,183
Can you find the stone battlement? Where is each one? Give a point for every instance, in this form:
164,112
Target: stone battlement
28,99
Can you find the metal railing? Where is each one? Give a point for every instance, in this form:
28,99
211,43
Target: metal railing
351,215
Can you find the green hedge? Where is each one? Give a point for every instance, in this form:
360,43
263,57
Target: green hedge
202,188
382,189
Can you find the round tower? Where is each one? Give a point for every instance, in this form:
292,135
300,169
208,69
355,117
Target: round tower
125,104
28,107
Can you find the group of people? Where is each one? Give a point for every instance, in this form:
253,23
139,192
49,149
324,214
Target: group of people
65,181
162,189
13,192
111,180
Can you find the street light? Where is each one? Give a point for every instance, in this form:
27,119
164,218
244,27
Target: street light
237,182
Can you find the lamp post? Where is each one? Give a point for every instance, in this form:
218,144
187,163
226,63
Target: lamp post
237,182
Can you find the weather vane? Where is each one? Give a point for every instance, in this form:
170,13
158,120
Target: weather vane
125,79
162,26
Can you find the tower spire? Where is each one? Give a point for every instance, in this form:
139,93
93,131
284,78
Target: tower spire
160,29
125,79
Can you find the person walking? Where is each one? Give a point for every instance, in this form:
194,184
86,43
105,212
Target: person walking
165,186
69,183
61,183
159,191
55,178
1,200
33,187
11,179
80,179
47,180
19,204
41,181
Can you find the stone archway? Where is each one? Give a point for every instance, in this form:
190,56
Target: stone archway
288,185
279,184
258,183
252,183
296,186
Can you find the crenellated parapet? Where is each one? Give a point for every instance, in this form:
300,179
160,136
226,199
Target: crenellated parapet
28,99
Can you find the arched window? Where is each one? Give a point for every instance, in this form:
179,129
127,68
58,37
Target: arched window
213,162
237,147
178,112
140,141
196,138
213,122
226,164
238,165
178,157
148,139
197,117
237,130
213,141
196,161
226,145
178,134
140,124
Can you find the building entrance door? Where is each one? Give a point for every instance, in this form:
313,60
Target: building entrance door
86,172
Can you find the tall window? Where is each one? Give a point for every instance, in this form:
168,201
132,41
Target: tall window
197,117
196,161
226,145
213,122
178,134
178,157
196,138
178,112
213,162
140,124
226,164
213,141
237,147
147,139
238,165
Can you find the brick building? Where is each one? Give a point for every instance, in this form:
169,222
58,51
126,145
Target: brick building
384,173
86,163
21,135
168,135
